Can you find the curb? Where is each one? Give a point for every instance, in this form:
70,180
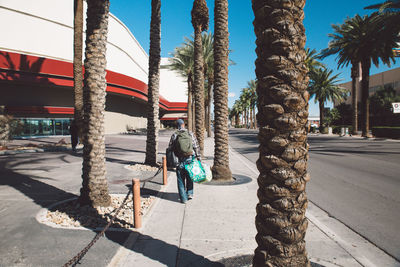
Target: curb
123,251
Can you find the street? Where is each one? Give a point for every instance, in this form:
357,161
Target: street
355,180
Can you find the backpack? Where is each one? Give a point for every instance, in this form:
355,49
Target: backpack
183,146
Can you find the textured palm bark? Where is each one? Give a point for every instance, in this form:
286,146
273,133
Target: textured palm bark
199,89
153,122
255,119
282,114
190,111
321,115
200,23
220,168
354,75
365,67
209,99
77,64
94,189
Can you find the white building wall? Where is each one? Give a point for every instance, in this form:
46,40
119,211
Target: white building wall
173,86
45,28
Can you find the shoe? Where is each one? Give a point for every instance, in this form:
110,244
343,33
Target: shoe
190,197
184,201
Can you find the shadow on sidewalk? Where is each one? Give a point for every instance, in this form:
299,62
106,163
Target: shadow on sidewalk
45,194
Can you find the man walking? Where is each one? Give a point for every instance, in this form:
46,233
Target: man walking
73,130
185,145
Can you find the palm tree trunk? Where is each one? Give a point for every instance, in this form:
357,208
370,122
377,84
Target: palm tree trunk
153,121
210,83
354,76
282,112
77,65
251,118
193,112
365,66
190,110
94,189
255,118
221,169
199,88
321,115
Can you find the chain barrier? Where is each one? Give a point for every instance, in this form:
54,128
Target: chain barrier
75,260
151,178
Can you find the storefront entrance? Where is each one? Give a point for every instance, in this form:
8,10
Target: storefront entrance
40,127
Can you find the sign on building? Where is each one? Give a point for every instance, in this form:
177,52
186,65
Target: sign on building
396,107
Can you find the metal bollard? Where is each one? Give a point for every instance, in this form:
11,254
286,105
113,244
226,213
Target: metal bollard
136,203
164,159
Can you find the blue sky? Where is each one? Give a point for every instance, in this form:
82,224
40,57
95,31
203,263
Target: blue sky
176,24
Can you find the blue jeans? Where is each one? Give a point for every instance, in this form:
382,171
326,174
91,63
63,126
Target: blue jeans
185,184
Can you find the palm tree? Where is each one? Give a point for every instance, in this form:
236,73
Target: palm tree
282,114
324,87
77,64
390,13
234,113
94,189
182,61
200,23
387,6
338,45
312,61
361,40
208,55
220,168
251,87
244,100
153,121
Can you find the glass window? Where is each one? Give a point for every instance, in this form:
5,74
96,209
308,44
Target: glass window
41,127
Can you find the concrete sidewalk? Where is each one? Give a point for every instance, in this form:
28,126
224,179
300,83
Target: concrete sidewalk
217,228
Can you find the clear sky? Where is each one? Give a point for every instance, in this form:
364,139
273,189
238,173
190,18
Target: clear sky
176,24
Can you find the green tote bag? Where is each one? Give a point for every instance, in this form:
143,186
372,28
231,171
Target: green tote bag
196,171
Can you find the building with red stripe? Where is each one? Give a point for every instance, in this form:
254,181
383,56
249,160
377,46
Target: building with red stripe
36,72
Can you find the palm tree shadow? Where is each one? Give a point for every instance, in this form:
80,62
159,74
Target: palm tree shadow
161,251
28,71
44,195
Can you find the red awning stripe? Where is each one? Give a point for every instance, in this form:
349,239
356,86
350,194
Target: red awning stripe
26,68
39,110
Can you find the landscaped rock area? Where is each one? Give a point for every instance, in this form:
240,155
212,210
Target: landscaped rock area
71,215
142,167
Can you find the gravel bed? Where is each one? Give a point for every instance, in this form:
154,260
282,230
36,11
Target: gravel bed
71,214
142,167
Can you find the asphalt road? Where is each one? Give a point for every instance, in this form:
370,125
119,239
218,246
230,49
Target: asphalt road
356,181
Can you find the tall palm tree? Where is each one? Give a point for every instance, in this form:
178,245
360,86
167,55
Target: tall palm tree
235,113
208,55
282,114
182,61
77,65
94,189
361,40
324,87
244,100
338,45
220,169
390,13
251,87
200,24
153,121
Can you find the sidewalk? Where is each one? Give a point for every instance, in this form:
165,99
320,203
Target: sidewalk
217,226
